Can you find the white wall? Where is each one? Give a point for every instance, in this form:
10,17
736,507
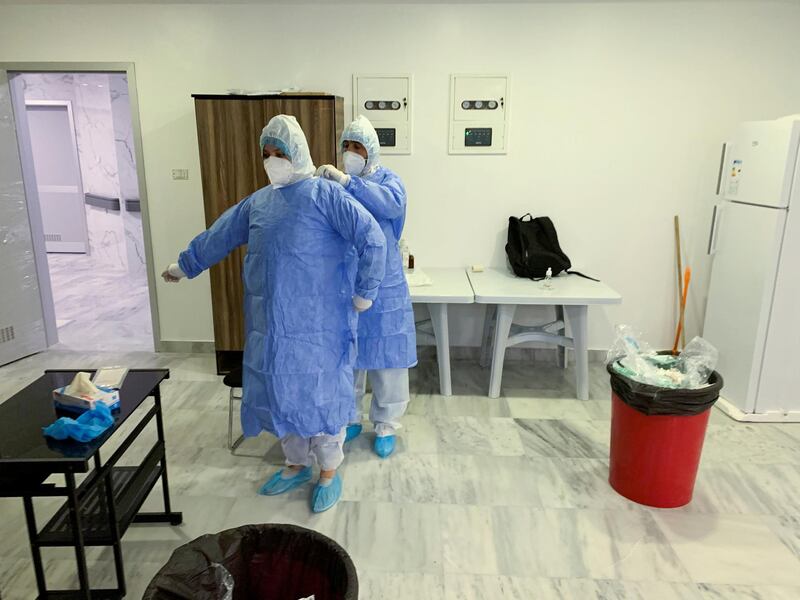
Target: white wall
617,114
128,182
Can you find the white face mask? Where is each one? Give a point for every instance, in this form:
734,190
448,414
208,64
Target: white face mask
354,163
279,170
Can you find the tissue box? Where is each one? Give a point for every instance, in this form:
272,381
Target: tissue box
83,403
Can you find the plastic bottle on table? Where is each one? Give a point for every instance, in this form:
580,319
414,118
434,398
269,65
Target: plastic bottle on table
404,251
548,279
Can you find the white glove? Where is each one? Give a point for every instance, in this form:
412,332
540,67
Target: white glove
361,304
334,174
173,274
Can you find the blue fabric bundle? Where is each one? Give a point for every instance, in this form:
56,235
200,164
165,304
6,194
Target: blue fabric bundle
85,428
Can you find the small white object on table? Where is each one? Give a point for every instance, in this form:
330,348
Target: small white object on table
448,286
571,295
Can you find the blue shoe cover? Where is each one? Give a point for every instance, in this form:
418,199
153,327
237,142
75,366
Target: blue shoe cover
353,431
278,485
324,497
384,445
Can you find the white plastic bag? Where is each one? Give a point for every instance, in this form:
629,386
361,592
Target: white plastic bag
698,359
224,581
636,360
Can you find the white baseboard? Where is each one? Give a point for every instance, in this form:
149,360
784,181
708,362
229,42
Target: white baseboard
175,347
737,414
539,355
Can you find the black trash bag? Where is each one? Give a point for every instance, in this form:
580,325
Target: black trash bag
267,562
654,400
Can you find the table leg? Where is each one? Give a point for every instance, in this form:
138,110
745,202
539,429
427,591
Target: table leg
561,351
579,320
441,331
230,420
36,552
173,518
77,536
489,323
505,316
113,527
232,445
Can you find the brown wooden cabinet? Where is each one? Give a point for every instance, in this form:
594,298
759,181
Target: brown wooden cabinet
228,128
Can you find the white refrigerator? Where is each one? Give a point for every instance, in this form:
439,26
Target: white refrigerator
753,311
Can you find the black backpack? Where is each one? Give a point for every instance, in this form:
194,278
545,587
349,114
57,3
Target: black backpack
533,247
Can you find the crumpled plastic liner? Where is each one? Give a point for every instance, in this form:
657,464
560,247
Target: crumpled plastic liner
660,384
636,360
224,581
271,561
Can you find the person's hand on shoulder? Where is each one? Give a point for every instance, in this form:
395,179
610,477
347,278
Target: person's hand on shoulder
334,174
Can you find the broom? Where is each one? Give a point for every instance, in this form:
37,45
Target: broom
687,277
680,269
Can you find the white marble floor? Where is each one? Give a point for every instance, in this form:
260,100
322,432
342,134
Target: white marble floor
99,308
484,499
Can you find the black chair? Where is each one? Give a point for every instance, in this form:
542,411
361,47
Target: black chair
234,381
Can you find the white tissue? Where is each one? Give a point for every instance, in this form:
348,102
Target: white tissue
82,387
417,278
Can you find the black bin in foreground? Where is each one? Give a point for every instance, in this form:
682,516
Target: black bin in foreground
278,562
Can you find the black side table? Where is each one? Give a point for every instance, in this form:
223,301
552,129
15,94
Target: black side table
99,510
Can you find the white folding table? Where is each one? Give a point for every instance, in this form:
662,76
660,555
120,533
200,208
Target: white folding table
449,286
571,295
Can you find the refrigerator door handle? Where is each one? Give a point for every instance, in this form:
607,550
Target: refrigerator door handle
712,235
721,167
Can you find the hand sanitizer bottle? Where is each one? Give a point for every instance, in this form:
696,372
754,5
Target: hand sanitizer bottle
404,252
548,279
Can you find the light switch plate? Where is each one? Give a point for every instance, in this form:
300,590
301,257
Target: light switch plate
180,174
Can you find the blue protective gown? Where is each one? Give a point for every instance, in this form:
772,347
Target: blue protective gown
310,248
386,333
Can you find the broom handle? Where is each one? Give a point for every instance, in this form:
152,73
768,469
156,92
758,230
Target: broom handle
680,270
686,279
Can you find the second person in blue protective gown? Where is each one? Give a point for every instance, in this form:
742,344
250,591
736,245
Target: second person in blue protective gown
315,257
387,344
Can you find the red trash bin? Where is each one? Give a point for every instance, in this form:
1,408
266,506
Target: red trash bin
657,438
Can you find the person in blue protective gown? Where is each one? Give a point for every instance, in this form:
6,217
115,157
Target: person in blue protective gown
387,344
315,258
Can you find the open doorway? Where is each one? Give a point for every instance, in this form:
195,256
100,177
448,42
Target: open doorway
76,139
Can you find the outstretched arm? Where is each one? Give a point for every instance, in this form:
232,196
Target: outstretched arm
226,234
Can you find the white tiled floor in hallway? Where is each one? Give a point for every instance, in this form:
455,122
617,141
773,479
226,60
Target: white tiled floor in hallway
485,499
99,309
